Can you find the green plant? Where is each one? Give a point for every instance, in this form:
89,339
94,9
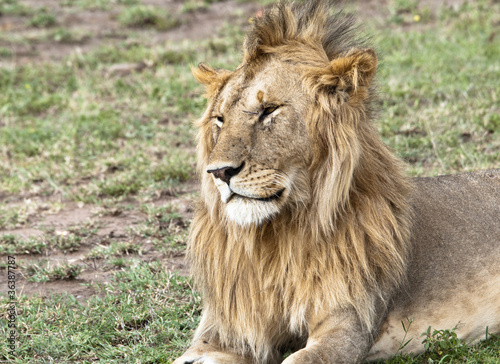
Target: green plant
194,5
5,52
42,19
443,345
12,244
404,342
402,6
147,16
97,4
67,243
37,273
116,249
144,313
118,187
62,35
13,8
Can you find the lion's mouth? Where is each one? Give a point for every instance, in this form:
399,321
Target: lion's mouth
276,196
273,197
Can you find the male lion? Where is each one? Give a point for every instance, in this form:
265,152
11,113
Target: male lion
308,237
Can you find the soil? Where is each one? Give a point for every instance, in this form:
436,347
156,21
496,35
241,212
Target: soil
98,27
107,226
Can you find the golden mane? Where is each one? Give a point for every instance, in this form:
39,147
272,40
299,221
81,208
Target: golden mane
348,247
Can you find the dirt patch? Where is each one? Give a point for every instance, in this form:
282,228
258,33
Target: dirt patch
71,215
98,226
24,233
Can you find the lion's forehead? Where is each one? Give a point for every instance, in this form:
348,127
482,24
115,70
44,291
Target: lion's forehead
247,90
241,95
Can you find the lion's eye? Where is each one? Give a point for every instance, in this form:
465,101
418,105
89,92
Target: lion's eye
219,120
267,111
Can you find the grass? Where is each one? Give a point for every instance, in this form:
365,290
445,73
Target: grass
439,108
72,133
197,5
14,8
97,4
115,249
67,127
42,19
164,228
12,244
444,346
145,312
62,35
147,16
18,215
38,273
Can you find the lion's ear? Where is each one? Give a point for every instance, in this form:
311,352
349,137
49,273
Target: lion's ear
212,78
354,69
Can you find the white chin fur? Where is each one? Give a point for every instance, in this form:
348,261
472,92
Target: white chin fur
246,212
224,190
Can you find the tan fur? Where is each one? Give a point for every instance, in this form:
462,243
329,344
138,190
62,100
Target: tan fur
308,243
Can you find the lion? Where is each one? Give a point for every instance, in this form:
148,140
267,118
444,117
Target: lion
309,239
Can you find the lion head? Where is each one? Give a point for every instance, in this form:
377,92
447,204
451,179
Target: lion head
301,202
288,122
257,147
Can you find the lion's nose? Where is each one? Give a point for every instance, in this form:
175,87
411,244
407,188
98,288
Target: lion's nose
225,173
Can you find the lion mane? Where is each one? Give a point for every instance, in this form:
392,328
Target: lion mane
347,246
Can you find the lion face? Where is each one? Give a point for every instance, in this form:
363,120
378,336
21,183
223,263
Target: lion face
272,122
260,143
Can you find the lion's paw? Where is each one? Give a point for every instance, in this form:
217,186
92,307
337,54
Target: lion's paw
209,358
187,359
204,359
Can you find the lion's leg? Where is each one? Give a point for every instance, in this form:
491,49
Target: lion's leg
203,352
336,338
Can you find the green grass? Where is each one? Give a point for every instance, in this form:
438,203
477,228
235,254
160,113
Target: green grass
42,19
14,8
12,217
440,92
13,244
62,35
444,346
145,312
67,127
69,131
197,5
115,249
97,4
39,273
5,52
164,228
147,16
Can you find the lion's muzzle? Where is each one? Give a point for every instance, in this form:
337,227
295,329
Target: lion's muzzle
251,192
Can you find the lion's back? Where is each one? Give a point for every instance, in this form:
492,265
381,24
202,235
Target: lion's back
460,213
454,271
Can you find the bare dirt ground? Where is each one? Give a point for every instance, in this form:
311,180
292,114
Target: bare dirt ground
100,27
